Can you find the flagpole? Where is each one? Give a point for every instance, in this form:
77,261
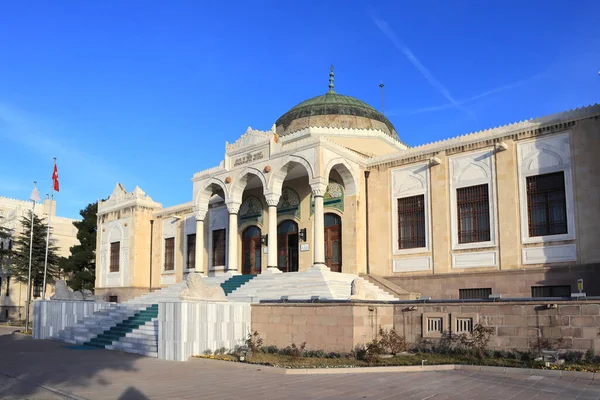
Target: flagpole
48,238
29,275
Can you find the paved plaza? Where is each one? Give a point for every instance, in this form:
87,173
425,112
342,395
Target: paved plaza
36,369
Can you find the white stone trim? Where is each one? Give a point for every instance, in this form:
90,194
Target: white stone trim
479,259
410,181
168,278
111,232
473,169
549,254
556,153
412,264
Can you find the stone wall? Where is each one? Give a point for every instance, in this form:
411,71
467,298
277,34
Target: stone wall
52,316
516,325
515,283
189,328
330,327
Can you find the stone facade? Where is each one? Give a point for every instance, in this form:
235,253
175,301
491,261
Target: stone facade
63,235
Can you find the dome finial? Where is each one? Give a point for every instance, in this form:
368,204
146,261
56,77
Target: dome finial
331,74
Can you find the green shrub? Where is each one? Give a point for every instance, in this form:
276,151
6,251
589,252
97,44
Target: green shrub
254,342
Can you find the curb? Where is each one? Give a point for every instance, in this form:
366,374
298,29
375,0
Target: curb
550,373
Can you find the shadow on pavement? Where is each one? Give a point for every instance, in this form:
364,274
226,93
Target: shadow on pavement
60,366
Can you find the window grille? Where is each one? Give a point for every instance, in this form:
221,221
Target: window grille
546,204
474,293
464,325
191,251
219,247
473,214
37,288
551,291
113,299
169,254
411,222
435,324
115,250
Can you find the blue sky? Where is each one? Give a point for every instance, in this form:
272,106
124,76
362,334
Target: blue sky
146,93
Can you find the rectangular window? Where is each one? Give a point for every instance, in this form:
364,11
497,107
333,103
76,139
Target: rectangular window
37,288
7,286
546,204
473,206
218,245
191,251
411,222
464,325
474,294
115,251
113,299
169,254
551,291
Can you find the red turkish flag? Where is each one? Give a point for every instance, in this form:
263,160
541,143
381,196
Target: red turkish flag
55,178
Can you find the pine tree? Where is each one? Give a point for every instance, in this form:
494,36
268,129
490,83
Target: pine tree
80,266
5,250
20,259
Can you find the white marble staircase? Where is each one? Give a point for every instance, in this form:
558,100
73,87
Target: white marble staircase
303,286
99,322
143,340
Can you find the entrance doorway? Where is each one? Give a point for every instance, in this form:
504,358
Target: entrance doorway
333,242
287,246
251,251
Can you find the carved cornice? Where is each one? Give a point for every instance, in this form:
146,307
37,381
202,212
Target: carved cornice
489,137
250,138
120,198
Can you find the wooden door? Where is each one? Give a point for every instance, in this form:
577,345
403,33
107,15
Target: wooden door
333,242
251,251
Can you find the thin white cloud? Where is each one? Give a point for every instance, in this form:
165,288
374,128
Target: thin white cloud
466,101
391,35
84,172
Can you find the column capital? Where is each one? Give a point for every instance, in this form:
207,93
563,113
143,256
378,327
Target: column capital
232,206
319,187
200,213
272,199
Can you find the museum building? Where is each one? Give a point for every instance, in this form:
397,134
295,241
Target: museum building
511,210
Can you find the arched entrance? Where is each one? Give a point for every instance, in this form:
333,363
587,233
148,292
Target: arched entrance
333,242
287,246
251,251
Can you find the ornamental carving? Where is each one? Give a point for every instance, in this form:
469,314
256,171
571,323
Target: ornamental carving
289,202
251,210
333,198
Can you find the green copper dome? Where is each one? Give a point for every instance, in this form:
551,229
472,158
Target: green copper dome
332,104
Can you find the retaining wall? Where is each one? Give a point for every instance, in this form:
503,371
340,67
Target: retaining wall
52,316
189,328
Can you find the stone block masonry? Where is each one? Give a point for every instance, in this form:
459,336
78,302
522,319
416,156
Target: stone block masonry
516,325
327,326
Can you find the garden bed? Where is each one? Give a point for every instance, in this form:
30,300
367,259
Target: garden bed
417,359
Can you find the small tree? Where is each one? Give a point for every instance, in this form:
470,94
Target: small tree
5,250
20,259
80,266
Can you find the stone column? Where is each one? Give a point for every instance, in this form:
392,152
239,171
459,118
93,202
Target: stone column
232,243
199,214
199,267
272,201
319,190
